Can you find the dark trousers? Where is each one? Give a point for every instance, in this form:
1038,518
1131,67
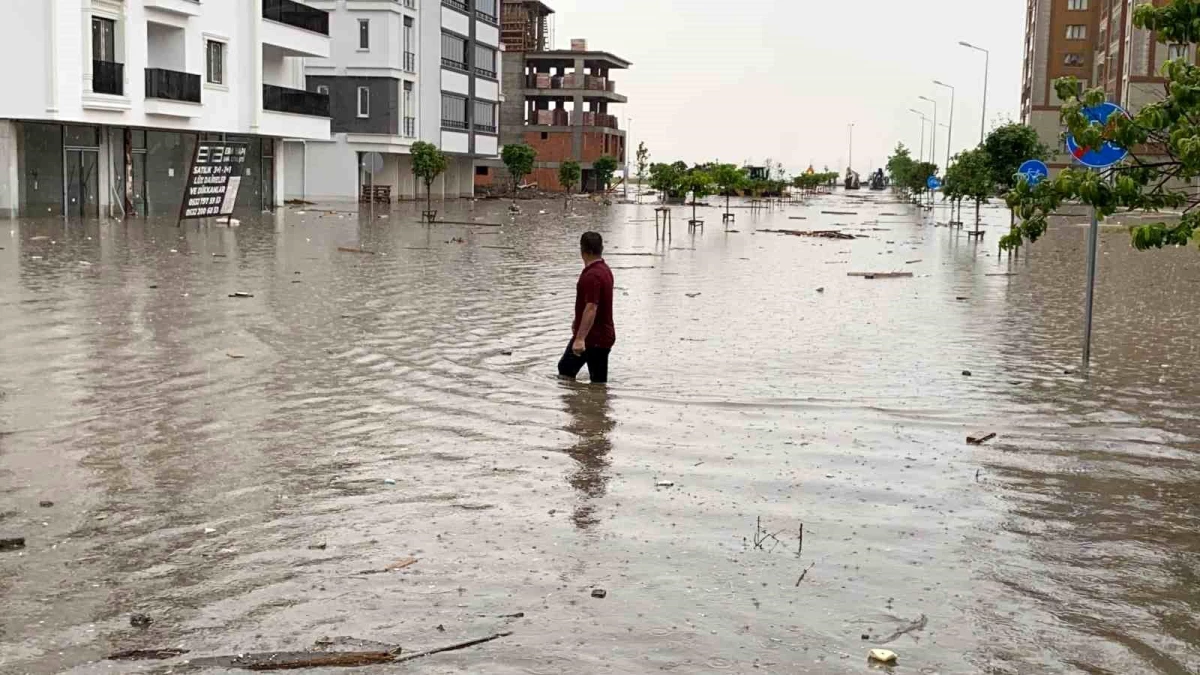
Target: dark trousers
594,358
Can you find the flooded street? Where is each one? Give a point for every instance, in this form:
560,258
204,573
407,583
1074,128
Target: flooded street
242,469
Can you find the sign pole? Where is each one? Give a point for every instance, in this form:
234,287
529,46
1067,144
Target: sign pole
1089,295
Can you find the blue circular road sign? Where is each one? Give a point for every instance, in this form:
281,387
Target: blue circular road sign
933,183
1034,171
1107,154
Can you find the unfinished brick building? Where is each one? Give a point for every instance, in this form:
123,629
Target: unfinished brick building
557,101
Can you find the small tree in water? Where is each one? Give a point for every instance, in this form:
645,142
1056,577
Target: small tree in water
643,162
728,178
700,184
970,176
518,158
603,169
569,174
428,163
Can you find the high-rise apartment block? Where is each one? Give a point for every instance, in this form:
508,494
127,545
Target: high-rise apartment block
402,71
1096,42
106,100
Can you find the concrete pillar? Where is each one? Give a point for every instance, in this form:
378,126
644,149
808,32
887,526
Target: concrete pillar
280,177
10,200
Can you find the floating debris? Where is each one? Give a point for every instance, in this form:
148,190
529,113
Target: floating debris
981,438
822,234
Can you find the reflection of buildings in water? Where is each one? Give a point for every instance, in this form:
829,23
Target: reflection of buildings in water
590,422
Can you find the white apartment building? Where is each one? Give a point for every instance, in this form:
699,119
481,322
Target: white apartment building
106,99
401,71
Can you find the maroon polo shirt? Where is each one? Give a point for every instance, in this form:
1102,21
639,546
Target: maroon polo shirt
596,286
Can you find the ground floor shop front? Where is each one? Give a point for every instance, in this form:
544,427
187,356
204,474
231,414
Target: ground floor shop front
338,170
88,171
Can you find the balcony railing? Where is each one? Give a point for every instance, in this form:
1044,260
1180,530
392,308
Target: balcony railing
411,4
485,128
456,4
485,72
410,127
453,124
295,14
172,85
486,17
108,77
410,62
451,63
297,101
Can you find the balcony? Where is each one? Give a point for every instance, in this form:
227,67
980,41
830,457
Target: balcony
457,4
410,62
297,15
410,127
171,93
565,87
295,101
296,29
172,85
108,77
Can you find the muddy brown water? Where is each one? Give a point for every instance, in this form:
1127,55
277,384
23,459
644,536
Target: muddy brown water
241,502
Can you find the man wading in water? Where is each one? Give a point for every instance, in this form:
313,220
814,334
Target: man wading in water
593,331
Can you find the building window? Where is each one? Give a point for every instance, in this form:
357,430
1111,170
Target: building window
481,171
364,102
410,57
454,112
323,89
1073,60
216,62
410,120
1077,5
364,34
486,10
485,116
1177,52
454,51
485,61
1077,32
104,36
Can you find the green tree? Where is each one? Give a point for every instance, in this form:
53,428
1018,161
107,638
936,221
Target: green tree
970,177
643,162
728,178
1162,138
900,166
519,159
1008,147
569,174
603,169
428,163
700,183
668,179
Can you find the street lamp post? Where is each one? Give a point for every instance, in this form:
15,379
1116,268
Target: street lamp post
950,129
933,143
628,135
987,59
850,166
924,119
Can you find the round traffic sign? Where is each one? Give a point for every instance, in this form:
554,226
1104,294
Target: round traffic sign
372,162
1108,153
934,183
1033,171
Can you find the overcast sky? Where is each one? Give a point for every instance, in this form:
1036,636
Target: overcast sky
748,79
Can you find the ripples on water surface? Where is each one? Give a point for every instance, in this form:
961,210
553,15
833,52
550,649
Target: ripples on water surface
1068,545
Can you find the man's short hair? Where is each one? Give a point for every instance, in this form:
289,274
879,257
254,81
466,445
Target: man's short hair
591,243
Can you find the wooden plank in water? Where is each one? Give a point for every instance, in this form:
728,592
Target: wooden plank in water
880,275
980,438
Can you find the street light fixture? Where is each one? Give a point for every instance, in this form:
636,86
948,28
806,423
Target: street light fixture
986,67
933,143
950,130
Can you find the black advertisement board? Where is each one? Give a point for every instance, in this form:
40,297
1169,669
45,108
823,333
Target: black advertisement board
213,180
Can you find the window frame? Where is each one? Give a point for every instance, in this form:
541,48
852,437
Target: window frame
1077,5
463,66
99,53
223,45
359,100
364,35
1079,28
452,124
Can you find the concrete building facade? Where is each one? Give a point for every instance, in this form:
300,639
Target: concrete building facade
1095,41
111,96
557,101
401,71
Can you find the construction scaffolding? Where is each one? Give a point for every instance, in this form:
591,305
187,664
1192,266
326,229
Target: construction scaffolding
526,26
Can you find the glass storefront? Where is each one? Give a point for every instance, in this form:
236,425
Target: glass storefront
62,174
